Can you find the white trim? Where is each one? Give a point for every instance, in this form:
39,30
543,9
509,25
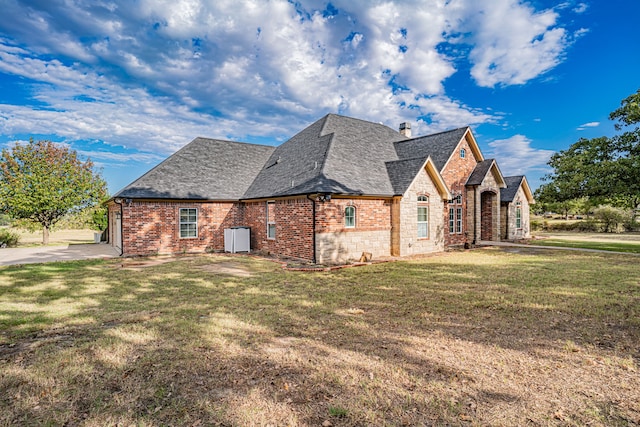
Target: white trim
351,207
181,223
268,222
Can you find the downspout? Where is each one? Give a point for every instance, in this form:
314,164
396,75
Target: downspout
313,227
121,220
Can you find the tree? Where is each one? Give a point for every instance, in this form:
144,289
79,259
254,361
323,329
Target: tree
603,169
41,182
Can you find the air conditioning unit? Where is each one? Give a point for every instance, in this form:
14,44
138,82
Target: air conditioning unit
237,239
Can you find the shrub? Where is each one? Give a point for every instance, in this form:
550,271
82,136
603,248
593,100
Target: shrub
99,219
588,226
611,218
536,225
8,238
631,224
5,220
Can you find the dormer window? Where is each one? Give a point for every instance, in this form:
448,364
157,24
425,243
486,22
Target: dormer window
463,153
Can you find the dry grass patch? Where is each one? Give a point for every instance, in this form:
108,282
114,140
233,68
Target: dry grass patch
476,338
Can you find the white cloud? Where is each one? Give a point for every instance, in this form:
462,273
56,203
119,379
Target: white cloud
151,75
512,43
588,125
516,156
581,8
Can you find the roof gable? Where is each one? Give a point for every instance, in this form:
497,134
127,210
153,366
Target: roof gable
482,169
403,173
440,146
204,169
514,183
471,142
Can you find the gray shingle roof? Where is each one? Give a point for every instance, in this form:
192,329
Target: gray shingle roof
513,184
480,171
439,146
402,173
294,167
336,154
204,169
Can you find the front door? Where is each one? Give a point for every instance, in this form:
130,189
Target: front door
486,215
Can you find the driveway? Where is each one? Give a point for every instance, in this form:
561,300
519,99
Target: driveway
38,254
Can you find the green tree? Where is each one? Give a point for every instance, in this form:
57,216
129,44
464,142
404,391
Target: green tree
41,182
603,169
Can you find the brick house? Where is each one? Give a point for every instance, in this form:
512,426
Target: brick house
340,187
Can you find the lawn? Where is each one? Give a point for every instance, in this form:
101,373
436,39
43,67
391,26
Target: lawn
625,242
482,337
56,237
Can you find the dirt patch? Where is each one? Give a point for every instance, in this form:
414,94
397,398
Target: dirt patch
230,268
142,263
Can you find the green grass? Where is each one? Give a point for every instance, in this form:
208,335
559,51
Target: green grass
603,246
484,337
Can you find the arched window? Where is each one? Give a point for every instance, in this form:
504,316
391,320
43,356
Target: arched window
350,217
423,217
463,153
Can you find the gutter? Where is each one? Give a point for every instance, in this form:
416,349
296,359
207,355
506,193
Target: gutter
313,226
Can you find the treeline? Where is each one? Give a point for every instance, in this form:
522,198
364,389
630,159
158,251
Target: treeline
599,177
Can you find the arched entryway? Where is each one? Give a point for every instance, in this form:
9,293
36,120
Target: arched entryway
488,200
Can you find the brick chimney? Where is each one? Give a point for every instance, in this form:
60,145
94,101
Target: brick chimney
405,129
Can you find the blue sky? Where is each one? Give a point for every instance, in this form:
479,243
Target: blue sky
127,83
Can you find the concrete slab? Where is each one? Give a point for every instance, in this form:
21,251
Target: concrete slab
40,254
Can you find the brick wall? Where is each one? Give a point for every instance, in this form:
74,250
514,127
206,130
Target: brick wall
372,231
371,215
294,227
153,227
455,174
486,215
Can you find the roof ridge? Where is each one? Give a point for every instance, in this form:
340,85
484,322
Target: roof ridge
227,140
359,120
433,134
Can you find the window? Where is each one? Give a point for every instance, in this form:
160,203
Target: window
271,220
350,217
455,215
518,215
423,217
452,220
188,223
463,153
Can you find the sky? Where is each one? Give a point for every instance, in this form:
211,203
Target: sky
128,82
